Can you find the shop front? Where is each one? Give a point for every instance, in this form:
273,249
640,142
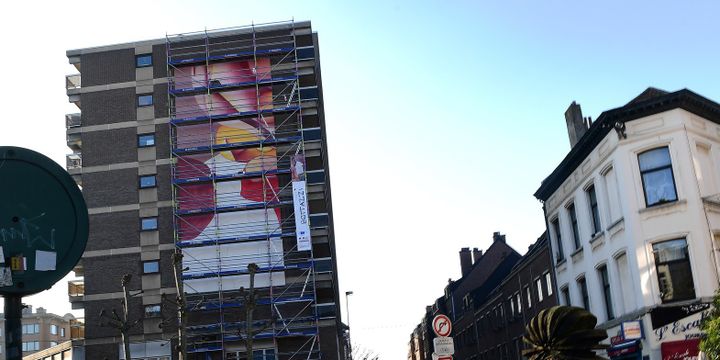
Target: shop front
664,333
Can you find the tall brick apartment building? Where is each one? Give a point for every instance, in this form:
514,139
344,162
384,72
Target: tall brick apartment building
211,144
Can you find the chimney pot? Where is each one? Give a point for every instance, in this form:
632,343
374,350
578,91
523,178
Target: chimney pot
576,124
465,260
477,254
497,237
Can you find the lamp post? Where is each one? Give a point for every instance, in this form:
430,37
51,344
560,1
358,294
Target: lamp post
347,309
347,306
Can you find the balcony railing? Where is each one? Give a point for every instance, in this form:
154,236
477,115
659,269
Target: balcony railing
73,121
76,288
73,161
72,81
77,328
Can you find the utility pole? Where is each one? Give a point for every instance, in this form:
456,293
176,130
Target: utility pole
181,313
250,302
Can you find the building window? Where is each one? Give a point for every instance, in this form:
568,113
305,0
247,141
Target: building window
151,267
512,307
612,195
263,354
605,281
143,60
144,100
322,265
538,283
582,285
519,303
146,140
31,329
152,310
548,283
594,211
148,223
62,332
673,270
573,221
560,254
53,343
657,176
147,181
30,346
528,292
53,329
566,295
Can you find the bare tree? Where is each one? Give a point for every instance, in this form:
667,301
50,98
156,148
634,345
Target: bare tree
122,322
180,304
249,300
360,352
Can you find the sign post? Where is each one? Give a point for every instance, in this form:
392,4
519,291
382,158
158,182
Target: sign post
443,345
43,232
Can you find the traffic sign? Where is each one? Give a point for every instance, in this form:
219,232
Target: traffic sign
442,326
441,357
43,222
443,346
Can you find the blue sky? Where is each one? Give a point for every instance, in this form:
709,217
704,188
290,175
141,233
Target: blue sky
442,116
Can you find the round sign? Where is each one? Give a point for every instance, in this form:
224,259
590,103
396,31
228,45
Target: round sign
43,222
442,326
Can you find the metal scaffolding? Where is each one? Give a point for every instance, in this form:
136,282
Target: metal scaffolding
236,124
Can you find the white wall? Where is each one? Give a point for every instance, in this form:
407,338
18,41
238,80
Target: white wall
628,226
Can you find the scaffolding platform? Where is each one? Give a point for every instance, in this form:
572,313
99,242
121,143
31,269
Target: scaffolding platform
236,126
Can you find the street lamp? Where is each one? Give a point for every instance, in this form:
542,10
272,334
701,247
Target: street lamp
347,306
347,309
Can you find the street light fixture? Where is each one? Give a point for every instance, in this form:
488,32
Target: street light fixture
347,309
347,306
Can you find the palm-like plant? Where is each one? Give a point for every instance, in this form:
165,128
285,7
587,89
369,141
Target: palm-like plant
563,332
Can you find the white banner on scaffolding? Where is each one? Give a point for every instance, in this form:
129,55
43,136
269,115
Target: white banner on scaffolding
302,219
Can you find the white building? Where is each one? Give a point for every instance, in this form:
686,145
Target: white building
633,212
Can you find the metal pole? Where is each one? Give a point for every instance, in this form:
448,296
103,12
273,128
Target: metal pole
182,319
13,327
347,309
124,331
347,306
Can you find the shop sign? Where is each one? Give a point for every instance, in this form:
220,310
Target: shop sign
662,316
632,348
684,329
631,330
680,350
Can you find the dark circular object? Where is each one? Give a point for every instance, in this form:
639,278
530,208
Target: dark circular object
43,217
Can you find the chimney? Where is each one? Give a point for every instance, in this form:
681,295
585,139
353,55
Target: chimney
465,261
476,255
497,237
576,124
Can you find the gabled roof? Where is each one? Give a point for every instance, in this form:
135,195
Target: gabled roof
650,102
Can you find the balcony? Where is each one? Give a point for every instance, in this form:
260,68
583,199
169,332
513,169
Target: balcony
74,141
73,121
76,293
72,82
72,87
73,161
77,328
